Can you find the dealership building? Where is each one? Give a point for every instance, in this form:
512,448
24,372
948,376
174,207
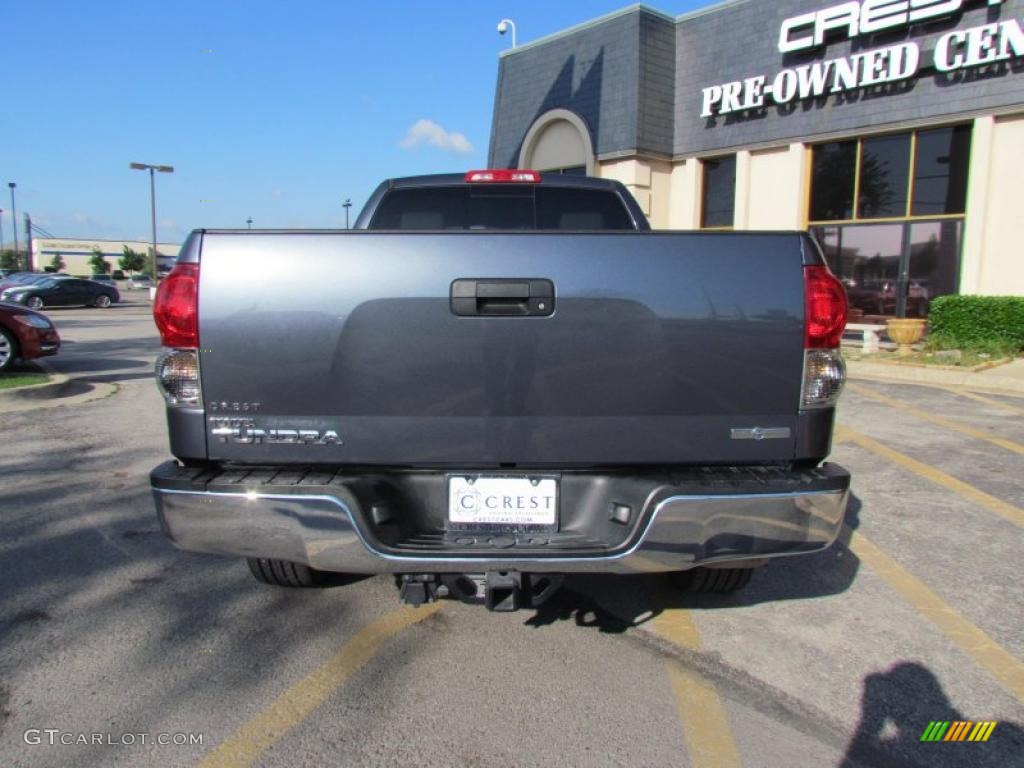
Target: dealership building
892,129
77,253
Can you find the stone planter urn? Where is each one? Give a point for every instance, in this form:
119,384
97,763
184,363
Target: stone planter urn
905,331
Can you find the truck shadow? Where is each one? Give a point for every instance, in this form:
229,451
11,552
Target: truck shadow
616,603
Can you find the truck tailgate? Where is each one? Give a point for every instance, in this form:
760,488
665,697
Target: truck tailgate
659,346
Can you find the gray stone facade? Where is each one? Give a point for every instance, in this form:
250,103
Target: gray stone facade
636,79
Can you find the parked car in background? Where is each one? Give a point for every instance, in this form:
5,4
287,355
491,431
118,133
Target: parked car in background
139,283
105,279
27,278
57,292
25,334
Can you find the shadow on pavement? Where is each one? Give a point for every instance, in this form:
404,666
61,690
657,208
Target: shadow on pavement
896,708
109,361
616,603
87,574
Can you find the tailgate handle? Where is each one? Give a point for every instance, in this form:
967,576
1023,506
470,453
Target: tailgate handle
502,297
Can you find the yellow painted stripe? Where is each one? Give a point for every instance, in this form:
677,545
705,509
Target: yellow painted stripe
982,399
998,662
706,730
988,732
956,426
298,702
1005,510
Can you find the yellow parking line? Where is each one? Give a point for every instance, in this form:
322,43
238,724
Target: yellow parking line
706,729
956,426
999,663
298,702
983,399
1007,511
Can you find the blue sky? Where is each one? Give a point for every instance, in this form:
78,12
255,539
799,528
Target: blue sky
294,107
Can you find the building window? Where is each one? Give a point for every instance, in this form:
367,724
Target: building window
940,171
570,170
718,195
888,213
832,181
884,176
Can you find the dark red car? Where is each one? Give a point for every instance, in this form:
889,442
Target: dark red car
25,333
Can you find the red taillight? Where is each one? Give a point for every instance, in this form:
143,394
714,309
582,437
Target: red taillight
825,309
504,175
176,309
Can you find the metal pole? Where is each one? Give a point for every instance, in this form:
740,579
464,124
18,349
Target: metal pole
249,222
152,202
28,238
346,205
1,228
14,219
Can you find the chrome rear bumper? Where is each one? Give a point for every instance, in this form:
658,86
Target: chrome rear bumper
328,528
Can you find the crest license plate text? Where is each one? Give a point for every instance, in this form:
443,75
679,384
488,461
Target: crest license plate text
507,501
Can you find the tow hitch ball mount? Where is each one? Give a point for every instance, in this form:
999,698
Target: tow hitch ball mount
497,590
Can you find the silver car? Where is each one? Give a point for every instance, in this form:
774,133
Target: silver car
139,283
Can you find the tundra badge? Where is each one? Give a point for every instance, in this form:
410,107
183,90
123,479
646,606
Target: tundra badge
245,431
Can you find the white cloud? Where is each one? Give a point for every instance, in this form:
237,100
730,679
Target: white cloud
425,131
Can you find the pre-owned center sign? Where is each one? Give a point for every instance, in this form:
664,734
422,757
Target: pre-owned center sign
959,49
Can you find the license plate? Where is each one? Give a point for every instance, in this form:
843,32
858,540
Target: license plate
508,502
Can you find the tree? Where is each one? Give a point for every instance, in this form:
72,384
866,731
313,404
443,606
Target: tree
9,260
132,261
57,262
100,265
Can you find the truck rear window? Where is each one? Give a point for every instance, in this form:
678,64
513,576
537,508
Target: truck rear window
502,207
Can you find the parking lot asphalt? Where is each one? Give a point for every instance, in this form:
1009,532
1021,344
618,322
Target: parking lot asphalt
842,658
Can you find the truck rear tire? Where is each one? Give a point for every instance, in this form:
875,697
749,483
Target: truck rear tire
717,581
282,573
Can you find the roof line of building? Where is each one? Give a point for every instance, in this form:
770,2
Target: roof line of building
97,240
721,5
713,7
587,25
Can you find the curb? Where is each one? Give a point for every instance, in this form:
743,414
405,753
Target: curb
986,381
48,395
53,388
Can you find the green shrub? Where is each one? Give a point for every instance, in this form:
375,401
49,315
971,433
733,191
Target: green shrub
988,323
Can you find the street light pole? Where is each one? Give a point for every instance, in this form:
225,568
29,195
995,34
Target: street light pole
152,201
346,205
249,222
152,211
14,219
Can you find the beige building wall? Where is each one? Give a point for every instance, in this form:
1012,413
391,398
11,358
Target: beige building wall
684,195
774,189
993,255
76,253
636,175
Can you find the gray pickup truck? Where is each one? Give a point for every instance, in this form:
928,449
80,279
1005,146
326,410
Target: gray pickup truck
494,380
